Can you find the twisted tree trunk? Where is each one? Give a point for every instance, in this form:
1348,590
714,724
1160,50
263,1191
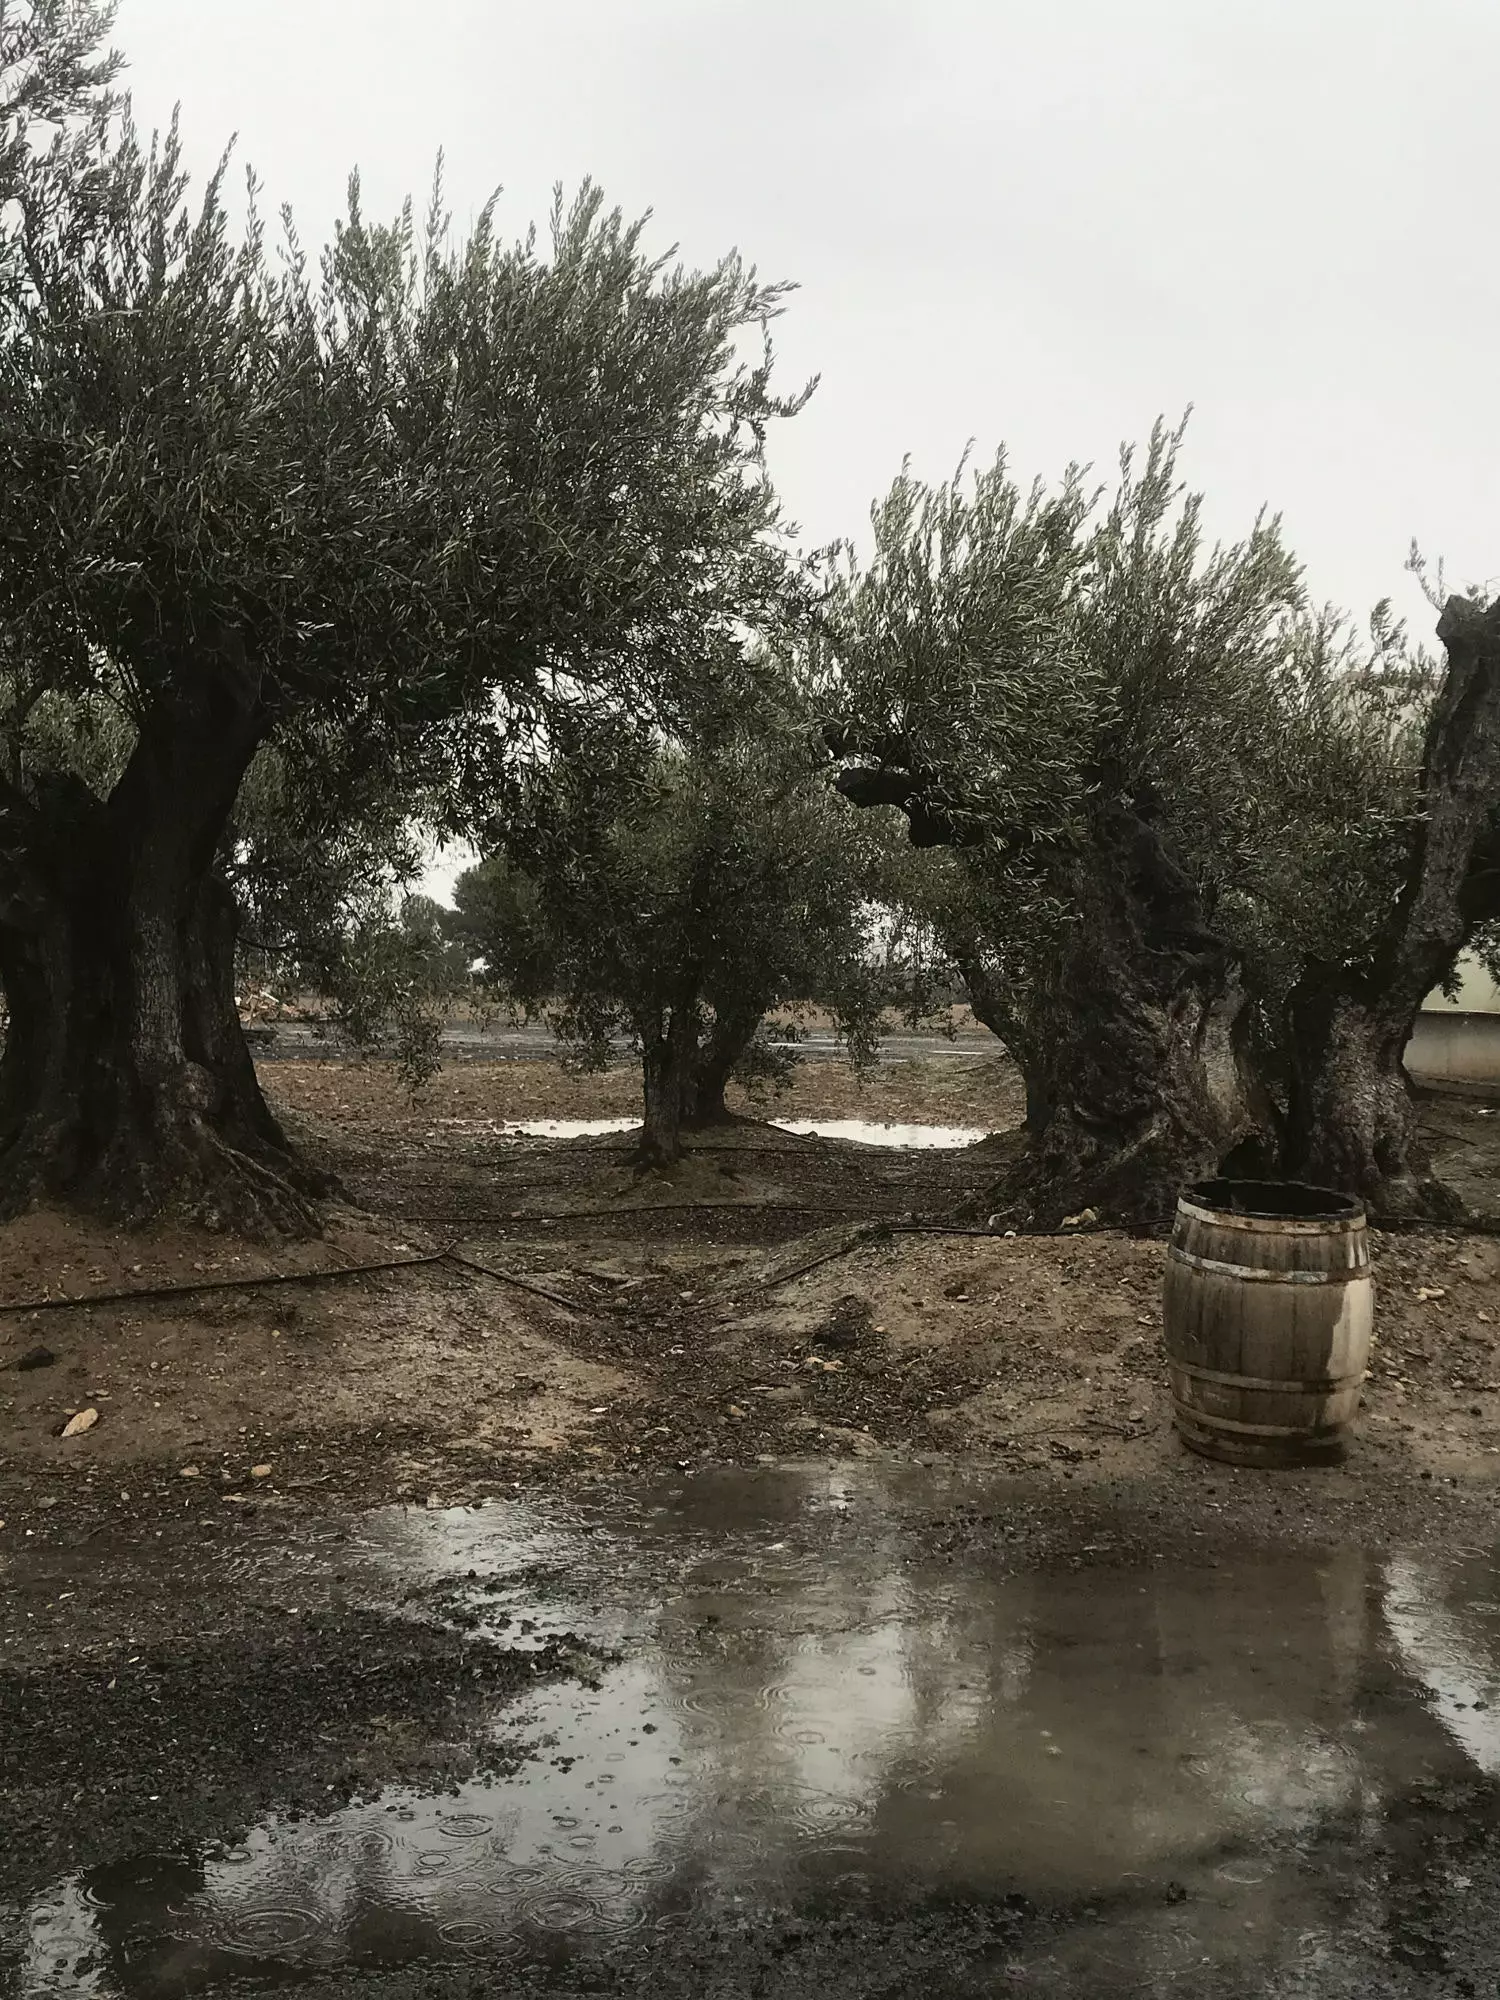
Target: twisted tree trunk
1136,1055
1351,1122
126,1086
669,1049
1147,1081
733,1031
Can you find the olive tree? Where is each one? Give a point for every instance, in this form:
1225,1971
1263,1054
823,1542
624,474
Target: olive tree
1191,817
404,490
1072,699
678,894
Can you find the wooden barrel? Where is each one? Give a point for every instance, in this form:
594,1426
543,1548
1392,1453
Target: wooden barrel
1268,1304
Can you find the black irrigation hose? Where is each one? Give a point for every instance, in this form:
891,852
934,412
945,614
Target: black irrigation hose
643,1208
870,1233
446,1256
220,1285
526,1285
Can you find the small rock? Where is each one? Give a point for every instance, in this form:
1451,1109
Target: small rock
1081,1220
36,1357
189,1472
260,1472
84,1421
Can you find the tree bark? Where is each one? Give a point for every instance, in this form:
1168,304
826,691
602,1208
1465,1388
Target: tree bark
126,1086
1137,1068
669,1048
1147,1081
1351,1123
732,1033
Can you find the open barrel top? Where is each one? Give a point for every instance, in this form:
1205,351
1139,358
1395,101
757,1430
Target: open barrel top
1289,1204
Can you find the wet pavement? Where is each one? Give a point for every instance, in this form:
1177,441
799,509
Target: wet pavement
846,1750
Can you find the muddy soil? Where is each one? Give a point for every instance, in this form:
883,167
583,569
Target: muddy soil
490,1318
863,1731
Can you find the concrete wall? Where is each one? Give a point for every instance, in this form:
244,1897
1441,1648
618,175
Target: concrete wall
1458,1040
1449,1047
1477,993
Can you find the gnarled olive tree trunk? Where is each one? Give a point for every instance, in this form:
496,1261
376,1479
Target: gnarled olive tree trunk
126,1085
1136,1049
669,1052
716,1060
1147,1081
1351,1121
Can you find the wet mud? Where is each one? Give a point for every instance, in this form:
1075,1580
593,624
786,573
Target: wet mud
810,1729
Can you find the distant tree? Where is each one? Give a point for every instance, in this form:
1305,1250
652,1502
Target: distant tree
386,497
323,863
679,896
971,926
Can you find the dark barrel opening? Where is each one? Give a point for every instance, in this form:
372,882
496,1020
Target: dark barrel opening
1285,1201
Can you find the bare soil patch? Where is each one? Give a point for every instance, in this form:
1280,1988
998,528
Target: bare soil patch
668,1322
975,1087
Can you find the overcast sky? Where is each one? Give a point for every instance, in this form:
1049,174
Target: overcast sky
1041,222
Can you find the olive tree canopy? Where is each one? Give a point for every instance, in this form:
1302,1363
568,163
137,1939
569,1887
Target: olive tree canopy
405,493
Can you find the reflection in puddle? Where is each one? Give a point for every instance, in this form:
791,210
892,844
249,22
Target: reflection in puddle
563,1128
862,1131
812,1708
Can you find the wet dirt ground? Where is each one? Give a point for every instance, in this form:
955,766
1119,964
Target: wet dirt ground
744,1592
836,1730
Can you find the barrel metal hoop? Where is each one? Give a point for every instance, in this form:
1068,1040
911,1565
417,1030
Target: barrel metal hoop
1251,1274
1327,1386
1273,1225
1209,1425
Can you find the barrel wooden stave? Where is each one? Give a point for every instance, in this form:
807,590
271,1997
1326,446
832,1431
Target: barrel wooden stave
1268,1322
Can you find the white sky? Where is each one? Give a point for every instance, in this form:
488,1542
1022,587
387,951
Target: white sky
1037,221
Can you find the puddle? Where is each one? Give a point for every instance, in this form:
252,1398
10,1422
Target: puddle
563,1128
861,1131
1183,1774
